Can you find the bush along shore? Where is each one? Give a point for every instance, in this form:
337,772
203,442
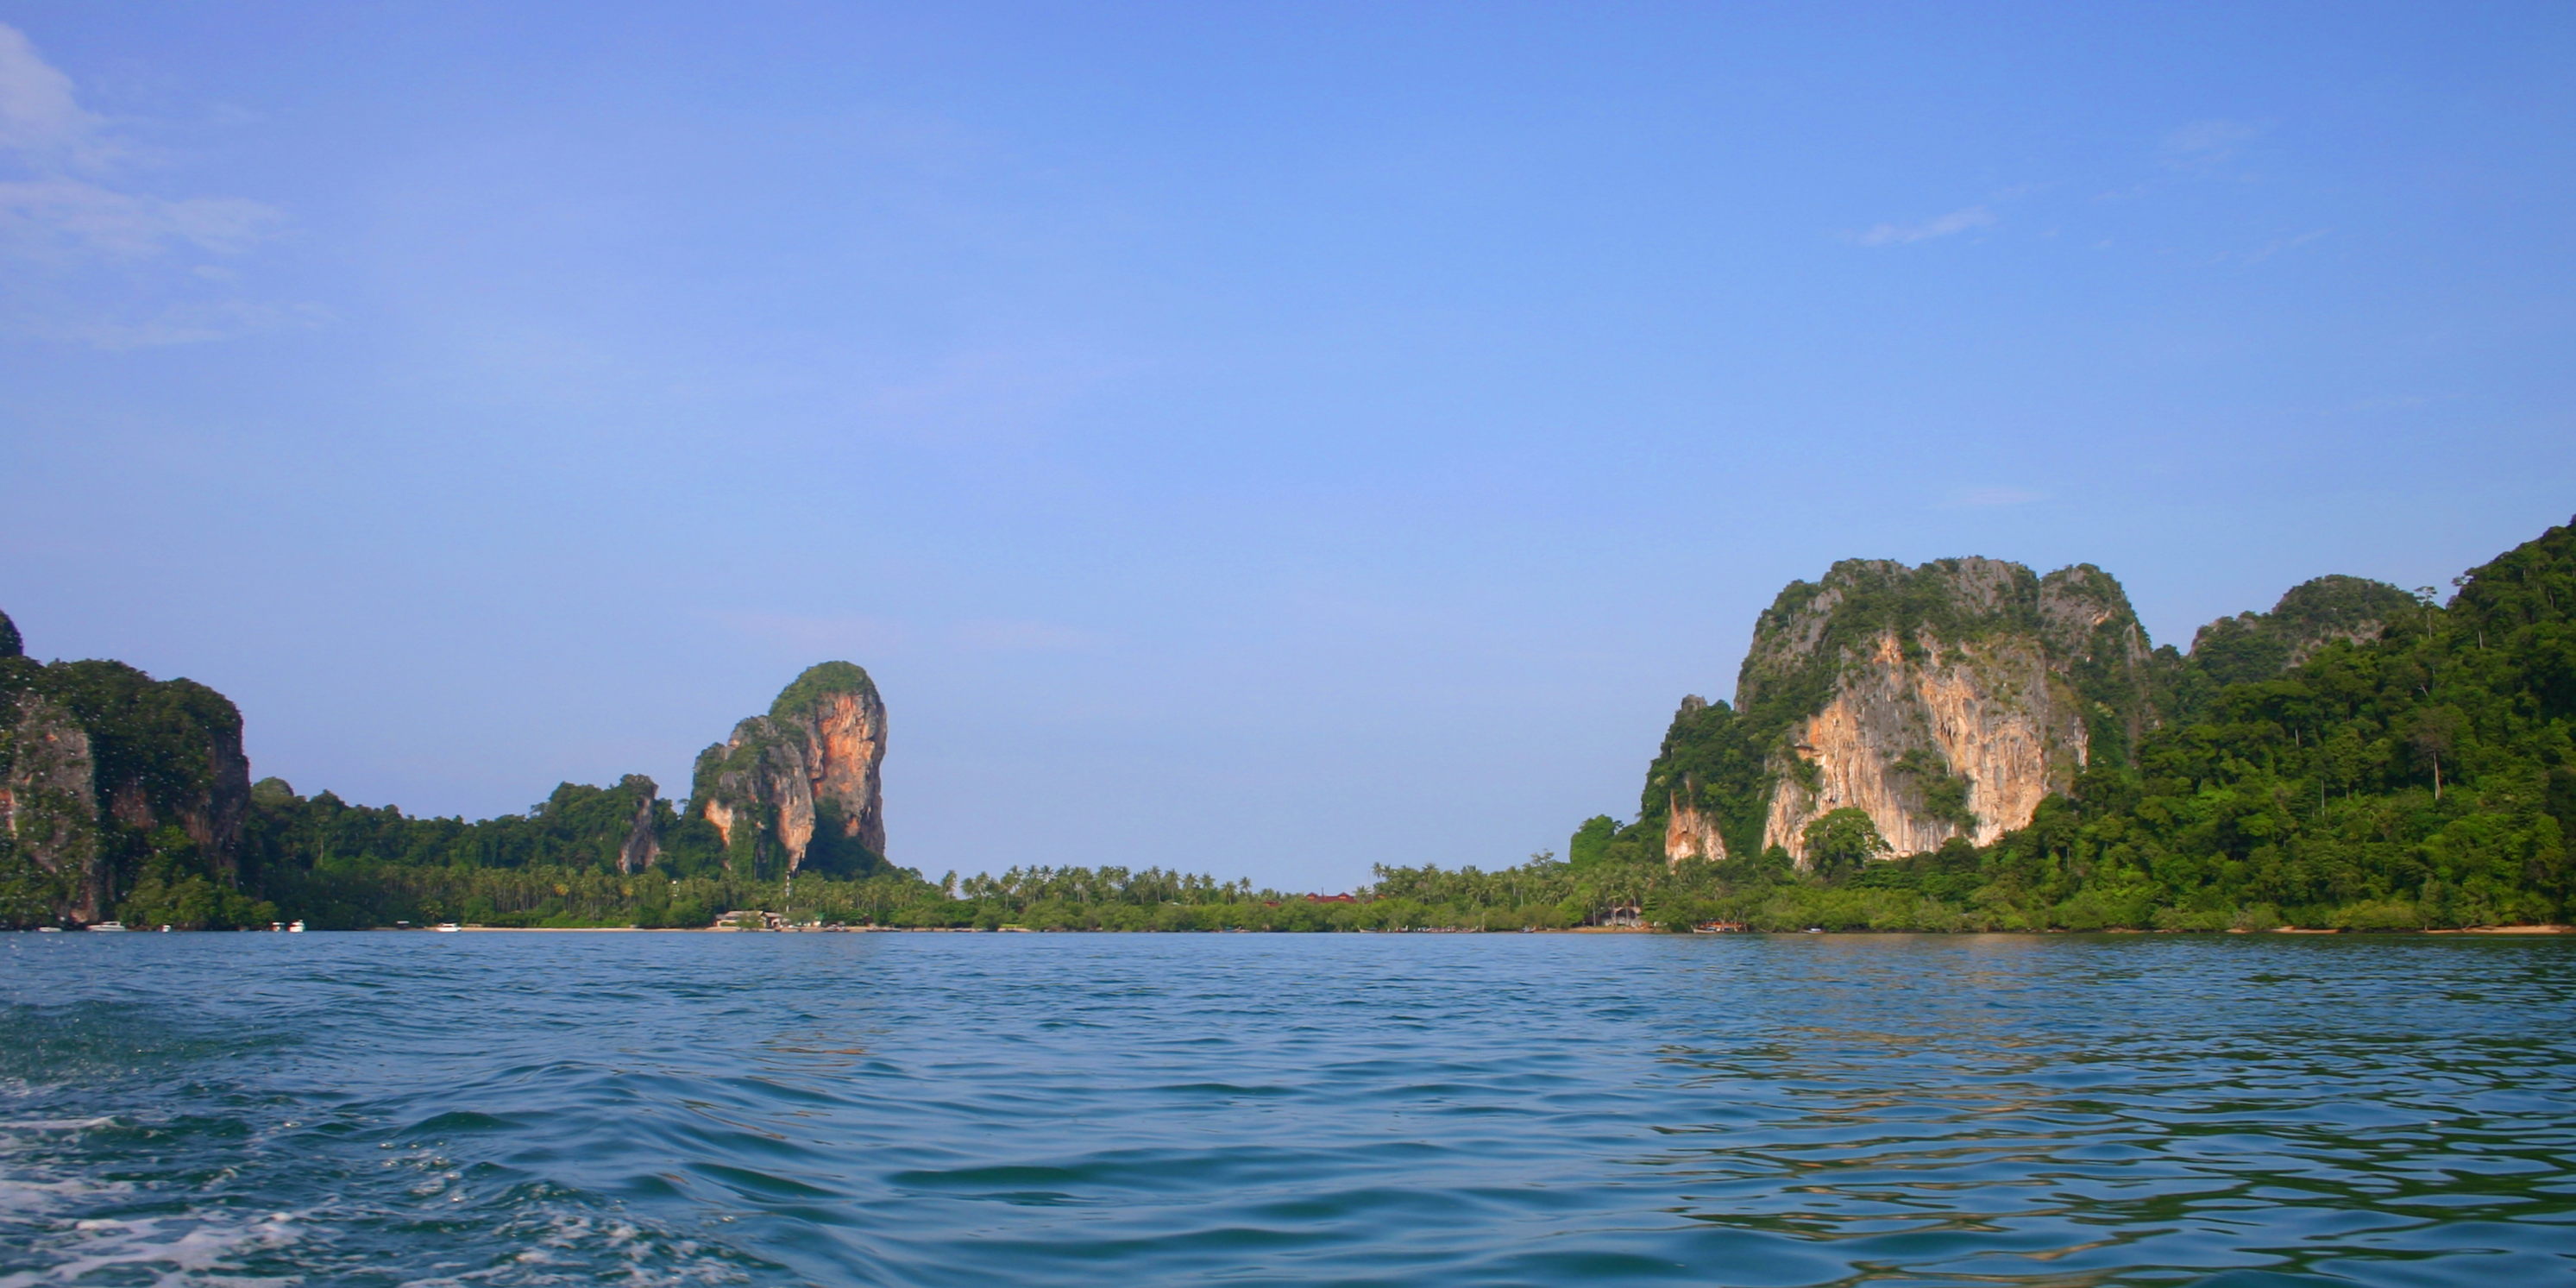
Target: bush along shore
1920,894
2360,759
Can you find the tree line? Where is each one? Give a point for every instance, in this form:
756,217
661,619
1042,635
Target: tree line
2424,778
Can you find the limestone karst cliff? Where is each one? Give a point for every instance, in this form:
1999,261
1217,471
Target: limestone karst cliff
1943,701
802,780
109,777
125,797
1956,695
792,791
49,808
1691,829
1948,700
643,844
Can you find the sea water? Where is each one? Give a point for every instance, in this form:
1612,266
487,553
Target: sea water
1392,1109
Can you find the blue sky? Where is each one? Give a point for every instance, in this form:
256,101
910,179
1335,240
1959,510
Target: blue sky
1264,439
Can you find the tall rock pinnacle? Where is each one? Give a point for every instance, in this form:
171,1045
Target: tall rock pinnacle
803,778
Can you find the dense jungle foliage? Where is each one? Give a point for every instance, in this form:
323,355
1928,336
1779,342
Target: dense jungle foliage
150,752
2422,778
2298,771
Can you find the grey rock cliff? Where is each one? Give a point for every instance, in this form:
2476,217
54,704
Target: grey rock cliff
102,771
643,844
49,804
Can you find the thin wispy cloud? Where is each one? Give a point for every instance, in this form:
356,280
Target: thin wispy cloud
194,323
2194,151
1025,637
821,632
39,116
85,228
2393,402
1988,498
1955,222
2279,245
64,216
993,393
2202,144
854,634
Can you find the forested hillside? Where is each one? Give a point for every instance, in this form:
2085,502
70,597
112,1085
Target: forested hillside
2356,758
117,789
2419,773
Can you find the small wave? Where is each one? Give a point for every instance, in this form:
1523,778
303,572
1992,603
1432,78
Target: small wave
1224,1089
1430,1113
22,1196
463,1121
556,1247
172,1250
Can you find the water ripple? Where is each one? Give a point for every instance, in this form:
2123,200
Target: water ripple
934,1110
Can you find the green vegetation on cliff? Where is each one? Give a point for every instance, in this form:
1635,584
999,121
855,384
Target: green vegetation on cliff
2259,646
796,790
807,692
2426,777
2356,758
1803,641
124,796
1713,759
2417,768
2071,631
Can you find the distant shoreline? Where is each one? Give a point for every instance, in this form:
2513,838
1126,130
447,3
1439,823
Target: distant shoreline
2529,930
2524,931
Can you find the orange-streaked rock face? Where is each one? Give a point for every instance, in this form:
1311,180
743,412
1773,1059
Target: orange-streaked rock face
795,816
1948,699
761,766
1690,832
843,748
811,762
1998,716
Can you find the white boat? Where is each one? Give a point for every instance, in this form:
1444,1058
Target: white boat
108,925
447,928
295,927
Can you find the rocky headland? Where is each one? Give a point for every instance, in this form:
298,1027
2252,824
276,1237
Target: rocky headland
1965,744
802,775
110,779
1945,702
125,795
